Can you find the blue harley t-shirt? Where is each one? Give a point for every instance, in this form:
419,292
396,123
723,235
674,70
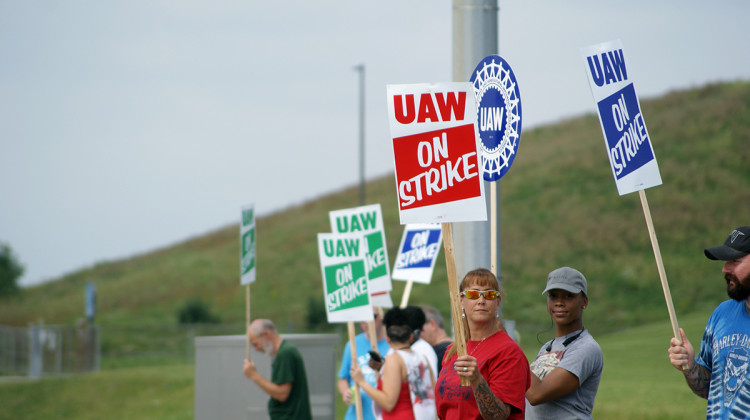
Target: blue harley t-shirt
725,351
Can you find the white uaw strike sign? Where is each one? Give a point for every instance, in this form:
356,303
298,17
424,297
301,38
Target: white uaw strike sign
436,153
628,144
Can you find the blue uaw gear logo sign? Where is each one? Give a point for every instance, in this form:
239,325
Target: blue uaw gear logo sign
498,115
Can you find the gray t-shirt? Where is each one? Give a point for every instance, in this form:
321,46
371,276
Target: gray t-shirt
583,358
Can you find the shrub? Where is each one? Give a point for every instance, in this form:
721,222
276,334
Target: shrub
10,271
195,311
316,314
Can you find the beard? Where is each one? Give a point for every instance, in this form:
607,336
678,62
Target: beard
739,292
267,347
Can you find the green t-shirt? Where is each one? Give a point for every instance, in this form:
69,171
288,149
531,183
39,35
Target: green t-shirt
289,367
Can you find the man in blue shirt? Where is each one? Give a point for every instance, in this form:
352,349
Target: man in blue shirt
345,382
719,373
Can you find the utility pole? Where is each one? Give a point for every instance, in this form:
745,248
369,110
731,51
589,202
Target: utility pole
361,69
475,36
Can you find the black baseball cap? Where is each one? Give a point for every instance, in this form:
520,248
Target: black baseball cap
736,246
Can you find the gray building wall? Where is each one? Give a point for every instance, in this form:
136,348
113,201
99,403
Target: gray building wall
223,392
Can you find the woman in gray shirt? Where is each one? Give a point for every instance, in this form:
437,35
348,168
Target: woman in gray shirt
567,369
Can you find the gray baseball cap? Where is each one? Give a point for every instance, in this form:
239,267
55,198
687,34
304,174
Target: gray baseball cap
736,246
568,279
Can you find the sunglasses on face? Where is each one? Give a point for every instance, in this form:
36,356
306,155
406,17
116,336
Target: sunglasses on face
474,294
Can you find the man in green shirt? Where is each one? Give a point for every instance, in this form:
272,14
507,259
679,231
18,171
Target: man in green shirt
288,385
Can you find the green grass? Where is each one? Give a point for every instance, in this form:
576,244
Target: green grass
638,382
164,393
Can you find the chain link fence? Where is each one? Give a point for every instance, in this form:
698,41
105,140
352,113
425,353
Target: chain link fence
46,350
39,350
152,345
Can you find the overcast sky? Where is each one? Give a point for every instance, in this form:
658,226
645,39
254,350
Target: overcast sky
127,126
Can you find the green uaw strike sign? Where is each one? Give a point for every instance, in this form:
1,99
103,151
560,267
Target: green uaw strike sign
345,283
247,245
368,222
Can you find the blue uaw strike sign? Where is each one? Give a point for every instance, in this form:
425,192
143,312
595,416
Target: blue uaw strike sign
420,245
628,144
498,115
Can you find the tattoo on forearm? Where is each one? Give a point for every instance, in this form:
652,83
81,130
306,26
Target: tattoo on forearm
699,380
490,406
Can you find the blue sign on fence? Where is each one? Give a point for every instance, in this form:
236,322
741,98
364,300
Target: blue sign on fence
90,301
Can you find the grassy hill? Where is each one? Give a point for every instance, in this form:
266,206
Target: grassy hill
636,367
559,207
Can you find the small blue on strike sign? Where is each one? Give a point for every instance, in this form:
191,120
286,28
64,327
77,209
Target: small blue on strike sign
417,253
629,149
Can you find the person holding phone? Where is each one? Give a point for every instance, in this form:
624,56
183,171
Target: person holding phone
406,387
345,384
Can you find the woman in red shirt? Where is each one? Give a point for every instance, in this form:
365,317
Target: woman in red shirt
495,365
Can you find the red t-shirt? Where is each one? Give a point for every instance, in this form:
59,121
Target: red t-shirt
502,364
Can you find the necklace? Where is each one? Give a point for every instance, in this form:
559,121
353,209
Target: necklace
474,350
567,340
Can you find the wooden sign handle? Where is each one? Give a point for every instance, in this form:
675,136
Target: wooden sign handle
660,268
459,330
407,292
659,264
493,227
372,334
353,352
247,318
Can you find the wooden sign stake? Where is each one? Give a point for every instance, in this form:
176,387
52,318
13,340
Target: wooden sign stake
493,228
247,317
459,330
372,335
660,265
353,352
407,292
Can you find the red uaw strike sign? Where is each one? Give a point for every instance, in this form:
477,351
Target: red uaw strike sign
435,148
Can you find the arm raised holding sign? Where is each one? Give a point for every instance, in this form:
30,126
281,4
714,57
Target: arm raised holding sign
496,367
287,386
682,357
404,373
722,355
345,384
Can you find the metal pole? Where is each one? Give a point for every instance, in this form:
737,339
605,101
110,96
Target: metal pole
475,36
35,351
361,69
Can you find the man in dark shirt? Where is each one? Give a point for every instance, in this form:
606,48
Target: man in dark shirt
288,385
